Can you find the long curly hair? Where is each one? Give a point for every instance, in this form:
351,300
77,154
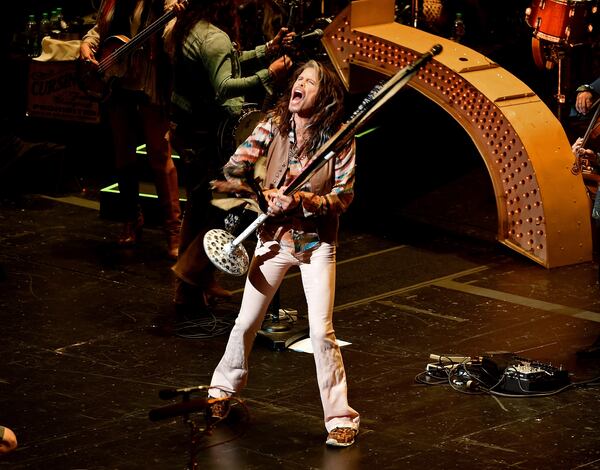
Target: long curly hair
329,112
220,13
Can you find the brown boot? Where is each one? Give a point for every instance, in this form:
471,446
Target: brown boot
173,241
131,233
167,190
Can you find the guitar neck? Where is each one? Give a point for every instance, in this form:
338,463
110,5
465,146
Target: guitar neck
136,41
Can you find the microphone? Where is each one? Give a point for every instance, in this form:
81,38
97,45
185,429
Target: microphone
316,34
183,408
168,393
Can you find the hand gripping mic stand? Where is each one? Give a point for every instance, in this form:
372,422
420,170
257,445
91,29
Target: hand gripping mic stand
228,254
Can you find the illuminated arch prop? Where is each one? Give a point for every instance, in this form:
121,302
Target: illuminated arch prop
543,209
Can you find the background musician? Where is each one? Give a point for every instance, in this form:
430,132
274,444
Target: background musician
212,76
586,94
587,148
139,98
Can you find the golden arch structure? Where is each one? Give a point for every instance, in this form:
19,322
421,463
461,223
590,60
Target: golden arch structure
543,209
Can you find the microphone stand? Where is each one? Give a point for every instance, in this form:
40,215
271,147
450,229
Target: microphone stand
186,408
197,430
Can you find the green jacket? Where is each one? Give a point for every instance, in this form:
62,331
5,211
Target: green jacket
208,82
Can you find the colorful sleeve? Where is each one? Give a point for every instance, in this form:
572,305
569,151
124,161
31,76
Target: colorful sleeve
250,150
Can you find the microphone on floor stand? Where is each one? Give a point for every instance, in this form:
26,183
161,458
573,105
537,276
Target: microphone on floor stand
184,408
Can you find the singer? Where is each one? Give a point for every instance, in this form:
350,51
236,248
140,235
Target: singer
302,231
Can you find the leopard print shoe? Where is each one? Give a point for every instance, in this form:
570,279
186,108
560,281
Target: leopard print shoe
341,437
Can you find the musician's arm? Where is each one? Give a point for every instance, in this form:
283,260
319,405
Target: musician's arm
168,31
217,61
585,96
262,55
248,153
89,44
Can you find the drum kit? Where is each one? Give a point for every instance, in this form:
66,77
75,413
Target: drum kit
566,22
558,26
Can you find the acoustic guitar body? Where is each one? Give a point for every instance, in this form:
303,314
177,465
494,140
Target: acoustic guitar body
97,80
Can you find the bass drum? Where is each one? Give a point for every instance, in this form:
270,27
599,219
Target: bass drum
562,21
233,132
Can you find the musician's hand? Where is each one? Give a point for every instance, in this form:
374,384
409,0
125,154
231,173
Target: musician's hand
579,151
86,53
284,38
231,186
583,101
280,68
179,7
279,203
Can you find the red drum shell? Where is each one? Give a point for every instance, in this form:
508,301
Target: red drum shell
561,21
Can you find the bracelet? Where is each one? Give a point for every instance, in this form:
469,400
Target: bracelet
583,88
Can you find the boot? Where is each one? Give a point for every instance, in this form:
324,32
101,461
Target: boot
173,242
129,206
167,190
132,232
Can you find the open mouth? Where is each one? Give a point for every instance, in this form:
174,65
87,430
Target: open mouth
297,95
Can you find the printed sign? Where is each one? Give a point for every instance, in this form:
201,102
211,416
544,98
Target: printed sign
53,93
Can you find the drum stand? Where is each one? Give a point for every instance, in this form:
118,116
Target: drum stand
560,95
546,55
414,13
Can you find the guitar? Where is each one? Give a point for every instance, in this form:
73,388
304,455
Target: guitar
585,163
97,80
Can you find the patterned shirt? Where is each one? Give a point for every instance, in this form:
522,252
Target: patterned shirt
294,233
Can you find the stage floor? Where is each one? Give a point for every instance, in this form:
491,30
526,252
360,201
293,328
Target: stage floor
89,338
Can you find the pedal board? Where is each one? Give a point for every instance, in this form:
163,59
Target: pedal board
521,376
